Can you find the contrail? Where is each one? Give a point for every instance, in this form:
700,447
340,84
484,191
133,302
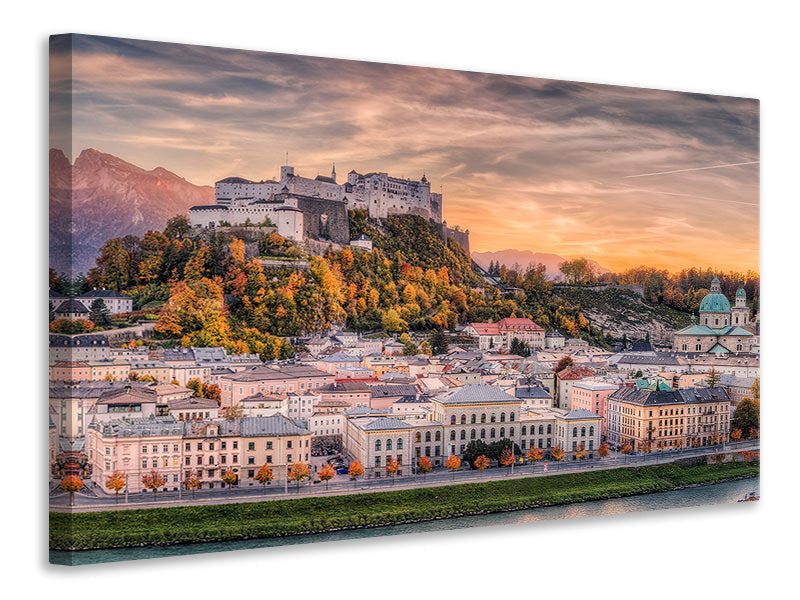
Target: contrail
755,162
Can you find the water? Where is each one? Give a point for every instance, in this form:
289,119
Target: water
721,493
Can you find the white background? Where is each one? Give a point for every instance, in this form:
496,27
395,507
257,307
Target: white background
732,48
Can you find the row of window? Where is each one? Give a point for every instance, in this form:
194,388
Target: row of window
473,418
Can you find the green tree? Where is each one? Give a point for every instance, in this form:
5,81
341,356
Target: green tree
99,313
438,342
177,227
746,415
713,378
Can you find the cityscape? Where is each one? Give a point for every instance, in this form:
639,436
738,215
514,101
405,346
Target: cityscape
266,341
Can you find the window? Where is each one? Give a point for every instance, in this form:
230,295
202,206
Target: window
541,429
472,419
377,445
511,417
463,419
427,436
251,445
591,431
574,432
289,444
144,464
511,432
583,431
165,448
236,445
483,418
388,444
199,445
452,419
269,445
493,419
463,434
453,435
377,461
418,437
483,434
503,417
155,448
144,449
399,443
549,431
438,436
269,458
502,432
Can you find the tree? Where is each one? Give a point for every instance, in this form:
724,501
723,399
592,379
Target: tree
177,227
565,362
192,482
506,458
453,463
481,462
438,342
534,454
197,386
229,478
326,473
755,389
99,313
603,450
627,448
232,413
116,483
355,471
746,415
580,451
713,378
71,484
152,481
264,476
300,471
557,453
753,433
473,450
736,434
392,467
424,466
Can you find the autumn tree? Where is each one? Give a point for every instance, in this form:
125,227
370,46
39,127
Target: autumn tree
229,477
755,389
713,378
197,386
753,434
481,463
264,475
736,434
564,363
300,471
627,448
534,454
424,466
557,453
506,458
392,467
71,484
603,450
355,471
192,482
116,483
152,481
580,451
232,413
746,415
453,463
326,473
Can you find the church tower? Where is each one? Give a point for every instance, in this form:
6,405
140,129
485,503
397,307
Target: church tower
740,312
333,173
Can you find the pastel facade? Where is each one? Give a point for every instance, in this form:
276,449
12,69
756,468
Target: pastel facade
592,396
280,379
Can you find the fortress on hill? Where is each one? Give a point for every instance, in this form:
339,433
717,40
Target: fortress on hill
316,209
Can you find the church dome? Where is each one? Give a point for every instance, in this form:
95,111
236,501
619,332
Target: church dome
741,293
715,302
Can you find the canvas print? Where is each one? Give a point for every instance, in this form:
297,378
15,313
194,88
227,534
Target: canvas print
296,299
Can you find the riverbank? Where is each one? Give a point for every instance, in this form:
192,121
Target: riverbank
279,518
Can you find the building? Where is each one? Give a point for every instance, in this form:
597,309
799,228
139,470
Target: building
116,302
719,329
564,380
376,440
500,334
668,418
71,309
592,396
279,379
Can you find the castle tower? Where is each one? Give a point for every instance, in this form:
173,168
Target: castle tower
333,173
740,313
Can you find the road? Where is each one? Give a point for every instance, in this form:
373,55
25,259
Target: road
98,499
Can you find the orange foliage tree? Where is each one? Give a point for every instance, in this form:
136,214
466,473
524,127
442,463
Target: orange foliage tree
603,450
300,471
506,458
152,481
424,466
481,462
534,454
627,448
753,433
355,471
580,451
736,434
392,467
264,476
116,483
453,463
557,453
71,484
326,473
192,482
229,478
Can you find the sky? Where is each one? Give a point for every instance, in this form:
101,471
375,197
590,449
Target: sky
624,176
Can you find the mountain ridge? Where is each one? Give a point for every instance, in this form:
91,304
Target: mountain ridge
524,258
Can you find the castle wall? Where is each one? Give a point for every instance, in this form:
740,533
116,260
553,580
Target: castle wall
325,220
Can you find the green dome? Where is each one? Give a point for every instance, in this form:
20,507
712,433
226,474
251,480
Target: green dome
715,303
740,293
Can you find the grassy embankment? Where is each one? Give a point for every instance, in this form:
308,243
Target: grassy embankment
176,525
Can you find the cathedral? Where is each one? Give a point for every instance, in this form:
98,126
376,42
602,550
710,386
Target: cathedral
719,329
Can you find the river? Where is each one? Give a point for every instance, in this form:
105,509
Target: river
720,493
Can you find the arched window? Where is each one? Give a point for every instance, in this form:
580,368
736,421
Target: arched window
452,419
399,443
524,430
427,436
463,419
541,429
511,433
483,434
549,429
472,434
377,445
492,433
591,430
511,417
483,418
418,437
438,436
453,435
472,419
463,434
583,431
388,444
574,432
494,418
502,417
502,432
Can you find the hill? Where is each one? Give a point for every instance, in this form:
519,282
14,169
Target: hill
526,258
101,196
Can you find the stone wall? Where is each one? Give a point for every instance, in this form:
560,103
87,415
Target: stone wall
325,220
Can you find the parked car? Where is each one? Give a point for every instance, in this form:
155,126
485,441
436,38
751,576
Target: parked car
343,470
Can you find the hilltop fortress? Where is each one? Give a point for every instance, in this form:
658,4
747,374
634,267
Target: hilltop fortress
316,209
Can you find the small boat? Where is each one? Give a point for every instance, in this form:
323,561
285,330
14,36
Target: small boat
751,497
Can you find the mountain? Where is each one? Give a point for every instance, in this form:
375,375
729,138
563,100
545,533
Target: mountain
524,258
101,196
